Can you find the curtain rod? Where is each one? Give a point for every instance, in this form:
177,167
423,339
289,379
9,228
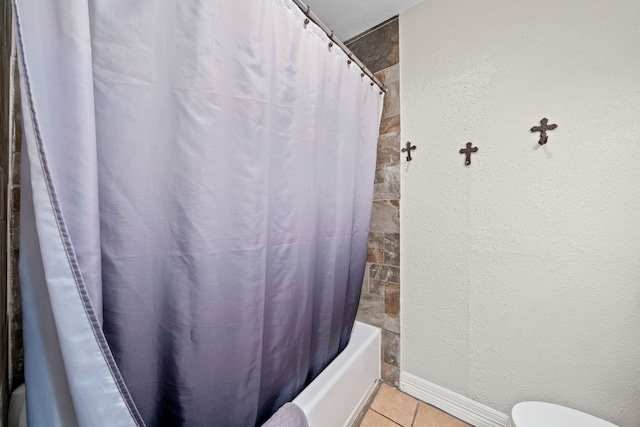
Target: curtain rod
329,32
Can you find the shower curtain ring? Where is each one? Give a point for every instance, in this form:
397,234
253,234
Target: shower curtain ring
349,60
331,38
306,20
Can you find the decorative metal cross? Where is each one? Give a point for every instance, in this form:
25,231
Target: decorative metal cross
408,150
543,128
467,152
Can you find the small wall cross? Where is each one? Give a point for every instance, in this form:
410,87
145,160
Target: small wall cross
467,152
543,128
408,150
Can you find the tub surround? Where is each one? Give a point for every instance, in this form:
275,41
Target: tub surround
16,348
378,48
5,78
11,369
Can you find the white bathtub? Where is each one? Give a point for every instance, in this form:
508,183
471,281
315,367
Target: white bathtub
336,396
333,399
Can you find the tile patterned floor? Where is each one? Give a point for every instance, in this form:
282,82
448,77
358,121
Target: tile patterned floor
389,407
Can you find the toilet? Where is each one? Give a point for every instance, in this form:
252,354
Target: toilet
18,408
542,414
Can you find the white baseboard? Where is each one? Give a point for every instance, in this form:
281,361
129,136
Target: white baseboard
455,404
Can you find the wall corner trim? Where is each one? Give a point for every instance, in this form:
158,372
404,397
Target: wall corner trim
453,403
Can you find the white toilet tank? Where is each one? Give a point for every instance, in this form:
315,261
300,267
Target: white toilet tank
18,408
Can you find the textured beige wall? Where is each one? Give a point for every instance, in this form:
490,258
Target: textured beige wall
521,272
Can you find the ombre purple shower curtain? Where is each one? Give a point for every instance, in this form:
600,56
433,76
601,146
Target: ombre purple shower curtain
197,188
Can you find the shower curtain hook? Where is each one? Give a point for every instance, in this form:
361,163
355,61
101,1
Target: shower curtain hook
306,20
349,60
331,38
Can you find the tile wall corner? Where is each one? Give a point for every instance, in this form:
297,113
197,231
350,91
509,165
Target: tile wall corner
378,48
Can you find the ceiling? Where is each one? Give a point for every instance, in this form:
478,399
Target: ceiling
348,18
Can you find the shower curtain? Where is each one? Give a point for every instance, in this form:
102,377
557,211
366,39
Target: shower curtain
197,184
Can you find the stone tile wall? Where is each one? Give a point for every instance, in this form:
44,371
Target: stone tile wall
16,349
378,48
11,348
5,78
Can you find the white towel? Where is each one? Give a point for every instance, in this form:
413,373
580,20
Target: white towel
289,415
